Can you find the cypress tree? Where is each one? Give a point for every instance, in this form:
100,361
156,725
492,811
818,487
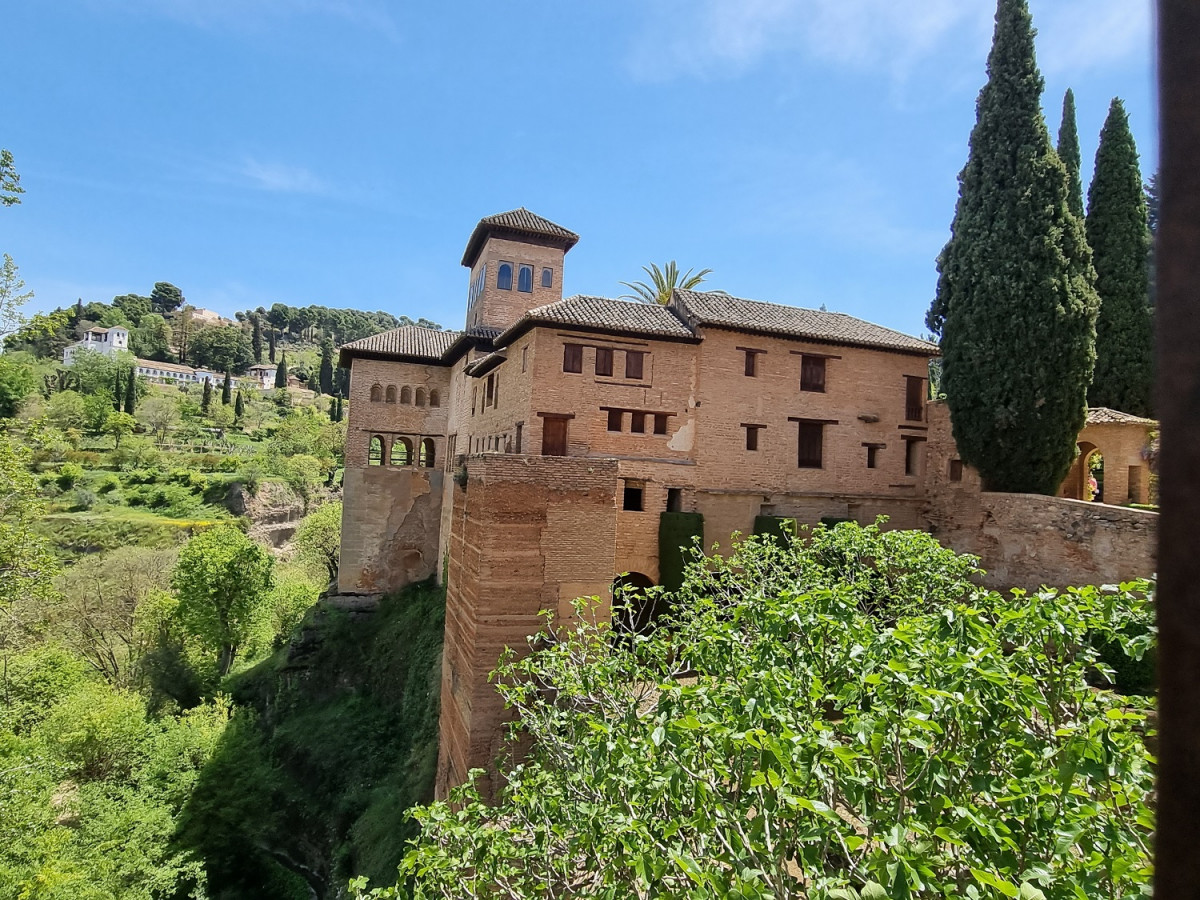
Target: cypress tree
206,397
256,337
1119,233
271,343
281,372
131,394
341,408
1068,151
325,377
227,390
239,407
118,391
1016,302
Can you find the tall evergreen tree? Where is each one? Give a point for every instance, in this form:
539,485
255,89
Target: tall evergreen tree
256,337
325,376
206,397
227,390
271,343
1016,303
281,372
118,390
1119,234
239,407
131,393
1068,151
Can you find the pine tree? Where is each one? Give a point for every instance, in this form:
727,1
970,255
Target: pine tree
131,394
1119,233
271,343
256,337
239,407
227,390
206,397
1068,151
325,378
281,372
1016,302
78,311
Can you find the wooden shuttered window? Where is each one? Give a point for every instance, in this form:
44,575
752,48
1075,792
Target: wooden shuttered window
572,357
554,436
810,445
812,373
634,368
604,361
914,398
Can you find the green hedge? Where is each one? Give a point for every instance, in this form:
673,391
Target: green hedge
781,528
676,534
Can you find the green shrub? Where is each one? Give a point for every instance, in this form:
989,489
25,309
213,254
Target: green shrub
69,475
82,499
677,541
779,528
97,732
107,484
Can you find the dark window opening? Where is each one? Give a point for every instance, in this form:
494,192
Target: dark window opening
674,499
547,278
614,419
660,423
504,277
751,363
524,359
812,373
489,391
406,395
572,357
520,430
434,399
811,435
637,423
604,361
956,470
474,399
420,401
872,455
634,364
752,436
525,279
376,393
914,398
632,500
390,395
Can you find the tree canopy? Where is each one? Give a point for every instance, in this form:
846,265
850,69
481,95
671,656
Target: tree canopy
1068,152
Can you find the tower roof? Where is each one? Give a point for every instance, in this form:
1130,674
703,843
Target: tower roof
517,223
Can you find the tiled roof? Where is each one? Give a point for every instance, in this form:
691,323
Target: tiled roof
409,340
521,221
1102,415
485,364
603,314
724,311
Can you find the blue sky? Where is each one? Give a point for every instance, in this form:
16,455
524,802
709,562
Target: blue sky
339,152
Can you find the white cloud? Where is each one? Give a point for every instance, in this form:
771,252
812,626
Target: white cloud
282,178
712,38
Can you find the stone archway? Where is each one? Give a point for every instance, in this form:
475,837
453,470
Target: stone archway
1075,485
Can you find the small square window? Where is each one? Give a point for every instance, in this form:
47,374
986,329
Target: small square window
604,361
660,423
572,357
674,499
812,373
956,470
632,500
637,423
547,278
614,419
634,367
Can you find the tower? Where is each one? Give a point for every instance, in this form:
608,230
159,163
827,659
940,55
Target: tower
516,263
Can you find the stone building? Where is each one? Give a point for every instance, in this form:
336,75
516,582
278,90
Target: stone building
530,458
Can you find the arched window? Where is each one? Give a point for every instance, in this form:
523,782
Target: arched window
376,393
420,396
525,279
402,454
375,452
547,278
406,395
390,396
427,453
504,277
434,399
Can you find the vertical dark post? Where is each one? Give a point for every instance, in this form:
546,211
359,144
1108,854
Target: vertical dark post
1178,399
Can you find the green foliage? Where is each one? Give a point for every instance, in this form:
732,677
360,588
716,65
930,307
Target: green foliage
222,580
326,372
319,537
11,298
663,283
679,537
780,528
10,180
166,297
26,566
151,339
1015,305
221,349
1068,152
281,372
1118,232
779,741
69,475
17,383
120,425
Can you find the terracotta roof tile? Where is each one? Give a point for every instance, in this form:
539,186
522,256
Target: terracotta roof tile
724,311
413,341
603,314
1102,415
521,221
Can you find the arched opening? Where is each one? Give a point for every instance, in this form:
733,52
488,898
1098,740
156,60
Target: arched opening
420,396
1094,470
402,452
635,608
375,451
390,396
504,277
428,453
434,399
376,393
406,395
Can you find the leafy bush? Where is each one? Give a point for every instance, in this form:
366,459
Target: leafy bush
319,538
82,499
69,475
107,484
820,719
97,732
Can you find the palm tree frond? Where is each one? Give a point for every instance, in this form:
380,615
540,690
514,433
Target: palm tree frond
663,282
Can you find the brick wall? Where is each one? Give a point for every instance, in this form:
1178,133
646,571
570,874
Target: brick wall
500,309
